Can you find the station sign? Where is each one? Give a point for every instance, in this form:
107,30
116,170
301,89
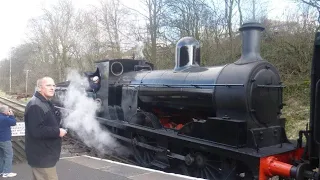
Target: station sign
18,129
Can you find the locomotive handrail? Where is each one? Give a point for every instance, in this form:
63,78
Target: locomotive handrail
271,86
182,85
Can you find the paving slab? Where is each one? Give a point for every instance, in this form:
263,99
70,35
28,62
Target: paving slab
90,162
91,168
157,176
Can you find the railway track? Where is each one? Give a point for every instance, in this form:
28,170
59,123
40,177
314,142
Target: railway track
71,146
17,107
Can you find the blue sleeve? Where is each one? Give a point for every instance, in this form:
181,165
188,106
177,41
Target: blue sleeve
10,121
36,127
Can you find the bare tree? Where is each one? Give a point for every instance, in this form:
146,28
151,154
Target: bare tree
240,12
153,13
53,33
114,21
187,17
229,8
89,43
315,4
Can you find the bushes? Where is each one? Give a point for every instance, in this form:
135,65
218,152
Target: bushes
296,111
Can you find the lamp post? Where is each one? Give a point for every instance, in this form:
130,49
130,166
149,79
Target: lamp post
10,76
27,71
254,9
10,68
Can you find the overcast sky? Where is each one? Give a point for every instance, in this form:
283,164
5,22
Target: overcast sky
14,16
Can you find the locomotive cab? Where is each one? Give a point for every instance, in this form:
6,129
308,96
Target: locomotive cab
110,93
314,136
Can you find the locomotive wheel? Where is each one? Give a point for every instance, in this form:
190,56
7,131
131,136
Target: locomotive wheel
204,167
144,157
145,119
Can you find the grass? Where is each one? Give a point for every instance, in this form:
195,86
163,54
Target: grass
296,111
2,93
297,116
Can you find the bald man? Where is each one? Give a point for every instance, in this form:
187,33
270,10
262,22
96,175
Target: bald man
42,132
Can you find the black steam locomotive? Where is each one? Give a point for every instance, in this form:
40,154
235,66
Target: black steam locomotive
221,122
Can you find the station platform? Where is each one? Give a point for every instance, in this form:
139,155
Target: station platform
91,168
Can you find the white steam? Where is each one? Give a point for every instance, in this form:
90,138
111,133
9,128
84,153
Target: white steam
82,121
139,50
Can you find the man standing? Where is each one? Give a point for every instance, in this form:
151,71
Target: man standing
42,132
6,153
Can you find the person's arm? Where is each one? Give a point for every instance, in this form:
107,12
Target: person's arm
10,120
36,126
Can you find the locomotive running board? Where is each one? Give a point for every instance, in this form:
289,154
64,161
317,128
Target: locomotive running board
147,146
247,153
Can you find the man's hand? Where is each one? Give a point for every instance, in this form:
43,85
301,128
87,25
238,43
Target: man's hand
63,132
10,112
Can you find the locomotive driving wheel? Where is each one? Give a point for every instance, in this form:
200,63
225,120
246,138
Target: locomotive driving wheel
143,156
206,167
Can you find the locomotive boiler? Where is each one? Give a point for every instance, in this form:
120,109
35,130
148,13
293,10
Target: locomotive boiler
217,122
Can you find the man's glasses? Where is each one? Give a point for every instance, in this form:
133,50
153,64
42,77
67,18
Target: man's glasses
50,85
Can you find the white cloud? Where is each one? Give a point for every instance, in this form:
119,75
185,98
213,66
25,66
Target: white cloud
278,9
14,16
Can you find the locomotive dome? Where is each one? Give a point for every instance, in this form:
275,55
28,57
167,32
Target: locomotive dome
187,53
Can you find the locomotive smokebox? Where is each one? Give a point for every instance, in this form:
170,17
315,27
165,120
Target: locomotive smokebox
250,42
187,53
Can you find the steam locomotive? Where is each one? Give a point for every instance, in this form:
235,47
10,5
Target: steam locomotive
219,122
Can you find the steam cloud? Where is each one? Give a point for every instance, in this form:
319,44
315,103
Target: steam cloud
81,118
139,51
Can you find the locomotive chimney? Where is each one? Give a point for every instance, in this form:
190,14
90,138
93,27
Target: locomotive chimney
250,42
187,53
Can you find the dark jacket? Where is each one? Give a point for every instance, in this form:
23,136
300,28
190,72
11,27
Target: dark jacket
5,126
94,87
42,141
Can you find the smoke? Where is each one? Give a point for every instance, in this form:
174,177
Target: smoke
139,50
81,119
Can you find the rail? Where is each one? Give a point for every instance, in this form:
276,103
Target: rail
19,107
